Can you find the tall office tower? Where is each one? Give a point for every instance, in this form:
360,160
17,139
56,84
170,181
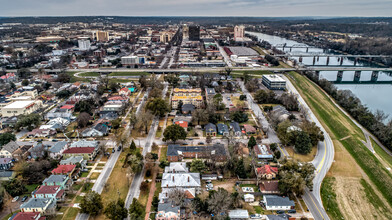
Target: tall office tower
84,44
194,33
185,32
239,32
102,36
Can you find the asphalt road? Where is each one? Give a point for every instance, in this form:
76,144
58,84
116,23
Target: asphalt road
322,161
272,136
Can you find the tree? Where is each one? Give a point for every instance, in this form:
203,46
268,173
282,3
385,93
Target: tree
132,146
84,106
14,187
219,202
25,82
63,78
115,210
142,121
30,121
136,163
174,132
155,93
200,115
198,166
252,142
294,176
113,86
240,169
158,106
116,123
5,138
217,100
228,70
63,94
284,136
172,79
91,203
178,197
265,97
289,101
83,119
313,130
24,73
239,116
136,210
180,104
303,143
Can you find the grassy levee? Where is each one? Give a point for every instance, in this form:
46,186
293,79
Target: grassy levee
373,198
386,157
128,73
329,198
93,74
340,126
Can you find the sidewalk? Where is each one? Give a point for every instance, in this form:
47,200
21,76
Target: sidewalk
152,187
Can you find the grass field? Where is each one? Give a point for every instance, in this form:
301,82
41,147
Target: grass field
328,196
386,157
76,79
340,126
93,74
259,50
128,74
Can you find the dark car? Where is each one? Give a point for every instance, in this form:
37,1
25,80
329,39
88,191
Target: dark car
280,212
292,211
24,198
201,143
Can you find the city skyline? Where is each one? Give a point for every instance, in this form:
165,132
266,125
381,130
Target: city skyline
257,8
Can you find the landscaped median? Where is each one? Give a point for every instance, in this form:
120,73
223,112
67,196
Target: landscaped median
345,133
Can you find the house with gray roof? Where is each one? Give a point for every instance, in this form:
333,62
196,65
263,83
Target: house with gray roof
97,130
223,129
58,180
168,211
210,129
177,167
5,163
46,206
278,217
85,143
217,152
181,180
8,149
238,214
57,149
274,202
235,127
75,160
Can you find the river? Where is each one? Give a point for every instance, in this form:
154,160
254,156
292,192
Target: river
370,95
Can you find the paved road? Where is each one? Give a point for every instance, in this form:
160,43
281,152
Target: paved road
272,136
134,190
322,161
224,54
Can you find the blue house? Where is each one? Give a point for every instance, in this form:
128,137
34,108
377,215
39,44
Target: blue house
223,129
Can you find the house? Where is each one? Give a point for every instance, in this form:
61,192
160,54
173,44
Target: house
17,108
182,118
168,211
8,149
125,91
118,98
177,167
183,124
249,129
263,152
274,202
190,193
267,172
187,109
57,124
37,150
109,115
223,129
235,127
216,152
187,96
238,214
84,143
59,113
281,112
57,149
97,130
269,187
5,163
210,130
210,93
278,217
75,160
27,216
58,180
22,153
181,180
70,108
45,206
69,170
249,198
88,153
38,132
52,192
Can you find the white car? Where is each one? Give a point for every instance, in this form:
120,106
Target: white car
15,199
255,216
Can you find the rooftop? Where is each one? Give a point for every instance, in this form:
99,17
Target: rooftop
18,104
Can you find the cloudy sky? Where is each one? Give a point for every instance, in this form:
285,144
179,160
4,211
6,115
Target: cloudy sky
259,8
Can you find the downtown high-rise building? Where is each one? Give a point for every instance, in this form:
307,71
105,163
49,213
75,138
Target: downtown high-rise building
84,44
194,33
239,32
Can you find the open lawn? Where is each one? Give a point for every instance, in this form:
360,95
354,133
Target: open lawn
163,153
339,126
94,175
259,50
93,74
386,157
328,196
302,157
76,79
128,74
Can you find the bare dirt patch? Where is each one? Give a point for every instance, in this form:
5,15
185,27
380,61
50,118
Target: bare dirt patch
351,199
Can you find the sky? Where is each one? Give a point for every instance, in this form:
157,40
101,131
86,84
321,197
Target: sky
258,8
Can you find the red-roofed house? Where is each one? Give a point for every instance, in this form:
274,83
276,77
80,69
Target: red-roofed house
249,129
183,124
118,98
55,192
267,172
27,216
68,107
125,92
88,153
8,77
64,169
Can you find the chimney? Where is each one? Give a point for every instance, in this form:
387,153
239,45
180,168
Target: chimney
173,178
188,179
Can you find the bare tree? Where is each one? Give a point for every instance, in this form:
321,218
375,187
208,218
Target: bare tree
219,202
177,196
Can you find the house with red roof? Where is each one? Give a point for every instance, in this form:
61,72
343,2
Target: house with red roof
54,192
70,108
183,124
118,98
27,216
69,170
125,91
88,153
267,172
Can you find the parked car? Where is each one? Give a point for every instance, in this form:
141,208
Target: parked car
15,199
201,143
113,150
292,211
280,212
255,216
24,198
